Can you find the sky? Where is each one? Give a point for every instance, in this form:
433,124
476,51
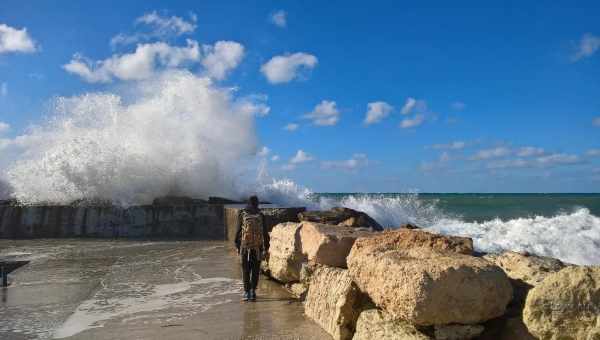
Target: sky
377,96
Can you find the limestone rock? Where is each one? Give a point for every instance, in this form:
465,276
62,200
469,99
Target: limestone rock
566,305
333,301
298,289
412,238
457,332
426,287
326,244
285,253
341,216
525,272
375,324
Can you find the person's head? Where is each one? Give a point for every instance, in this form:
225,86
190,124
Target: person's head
253,202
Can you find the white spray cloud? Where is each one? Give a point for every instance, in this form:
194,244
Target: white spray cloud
377,111
14,40
175,133
285,68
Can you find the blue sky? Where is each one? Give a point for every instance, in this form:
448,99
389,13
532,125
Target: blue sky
464,97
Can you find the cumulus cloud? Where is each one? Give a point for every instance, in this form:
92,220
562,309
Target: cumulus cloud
263,152
412,122
221,58
275,158
14,40
593,152
4,127
596,121
324,114
547,161
141,64
3,89
528,151
457,145
299,158
253,105
377,111
279,18
588,46
439,163
357,161
408,106
159,27
285,68
496,152
291,127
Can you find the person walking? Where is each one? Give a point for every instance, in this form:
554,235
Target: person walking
251,240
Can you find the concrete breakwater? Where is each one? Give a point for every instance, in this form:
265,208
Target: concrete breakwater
181,217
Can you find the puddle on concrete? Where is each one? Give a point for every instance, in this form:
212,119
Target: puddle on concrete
82,289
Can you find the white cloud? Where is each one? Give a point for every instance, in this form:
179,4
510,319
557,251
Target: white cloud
279,18
264,152
558,158
160,27
377,111
291,127
547,161
457,145
588,45
497,152
439,163
593,152
3,89
253,105
275,158
221,58
596,121
412,122
285,68
357,161
458,106
299,158
408,106
529,151
4,127
14,40
138,65
324,114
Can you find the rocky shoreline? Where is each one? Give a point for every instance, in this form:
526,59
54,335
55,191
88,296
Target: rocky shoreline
359,282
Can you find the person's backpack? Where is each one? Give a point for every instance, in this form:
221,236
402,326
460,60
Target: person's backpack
252,232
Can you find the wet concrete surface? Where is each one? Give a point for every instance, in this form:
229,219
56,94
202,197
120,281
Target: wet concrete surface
101,289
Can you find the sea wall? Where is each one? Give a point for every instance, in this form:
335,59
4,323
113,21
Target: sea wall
166,217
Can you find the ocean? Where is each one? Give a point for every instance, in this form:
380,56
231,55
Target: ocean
564,226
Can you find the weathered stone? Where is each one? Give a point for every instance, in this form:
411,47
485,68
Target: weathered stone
426,287
409,238
375,324
525,272
285,253
326,244
565,305
341,216
457,332
298,289
333,301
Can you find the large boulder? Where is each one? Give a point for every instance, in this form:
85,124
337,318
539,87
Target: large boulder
427,287
414,238
285,253
333,301
327,244
565,305
376,324
341,216
525,272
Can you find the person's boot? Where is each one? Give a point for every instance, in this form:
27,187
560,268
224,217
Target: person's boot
252,295
246,296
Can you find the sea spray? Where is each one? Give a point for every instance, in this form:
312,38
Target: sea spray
174,134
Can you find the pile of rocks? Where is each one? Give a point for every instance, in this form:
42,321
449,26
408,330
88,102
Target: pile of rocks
411,284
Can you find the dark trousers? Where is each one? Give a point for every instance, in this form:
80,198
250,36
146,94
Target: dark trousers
250,268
